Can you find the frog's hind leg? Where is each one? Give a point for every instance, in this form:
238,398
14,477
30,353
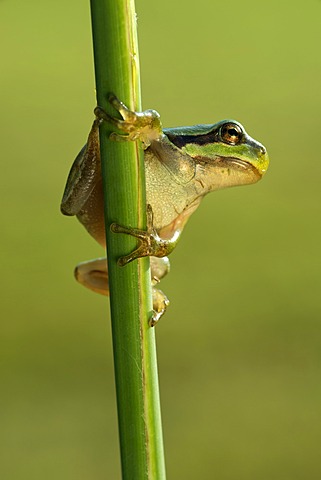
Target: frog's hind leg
93,275
85,173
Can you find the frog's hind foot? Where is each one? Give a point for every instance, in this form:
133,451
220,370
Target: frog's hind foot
160,304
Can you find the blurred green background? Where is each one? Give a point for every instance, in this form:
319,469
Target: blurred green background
239,349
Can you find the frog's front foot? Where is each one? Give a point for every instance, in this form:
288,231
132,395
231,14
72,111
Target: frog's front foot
145,126
150,243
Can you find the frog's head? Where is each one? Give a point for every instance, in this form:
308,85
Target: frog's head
227,156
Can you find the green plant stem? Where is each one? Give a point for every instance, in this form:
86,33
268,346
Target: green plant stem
117,71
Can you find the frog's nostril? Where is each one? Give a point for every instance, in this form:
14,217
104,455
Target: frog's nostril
263,150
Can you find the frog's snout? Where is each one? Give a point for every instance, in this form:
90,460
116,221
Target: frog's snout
263,160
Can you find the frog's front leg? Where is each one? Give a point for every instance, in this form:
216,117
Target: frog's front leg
94,275
145,126
150,243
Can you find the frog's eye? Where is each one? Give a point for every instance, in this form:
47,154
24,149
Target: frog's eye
231,133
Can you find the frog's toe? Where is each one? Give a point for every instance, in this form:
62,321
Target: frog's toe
160,304
114,101
134,232
117,137
102,115
127,114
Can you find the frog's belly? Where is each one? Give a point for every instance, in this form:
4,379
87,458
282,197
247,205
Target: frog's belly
167,198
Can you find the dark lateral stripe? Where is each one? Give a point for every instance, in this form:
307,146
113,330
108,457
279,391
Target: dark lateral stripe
182,140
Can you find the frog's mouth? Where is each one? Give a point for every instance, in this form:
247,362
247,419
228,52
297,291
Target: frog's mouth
240,165
223,172
233,171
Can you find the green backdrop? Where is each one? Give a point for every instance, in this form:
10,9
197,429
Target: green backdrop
239,349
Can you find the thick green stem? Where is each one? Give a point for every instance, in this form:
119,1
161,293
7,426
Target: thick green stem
117,71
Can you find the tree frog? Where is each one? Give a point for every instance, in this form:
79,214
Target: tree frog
182,165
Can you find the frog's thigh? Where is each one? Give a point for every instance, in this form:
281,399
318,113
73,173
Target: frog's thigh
93,275
84,175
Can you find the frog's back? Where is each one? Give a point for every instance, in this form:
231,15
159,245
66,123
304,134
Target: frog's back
193,130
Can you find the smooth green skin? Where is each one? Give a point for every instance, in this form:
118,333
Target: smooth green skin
182,165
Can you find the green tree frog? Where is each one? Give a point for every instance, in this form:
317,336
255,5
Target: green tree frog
182,165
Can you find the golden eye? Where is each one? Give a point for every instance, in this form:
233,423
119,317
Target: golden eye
231,133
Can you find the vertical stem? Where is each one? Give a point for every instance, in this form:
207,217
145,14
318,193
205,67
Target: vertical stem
117,71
